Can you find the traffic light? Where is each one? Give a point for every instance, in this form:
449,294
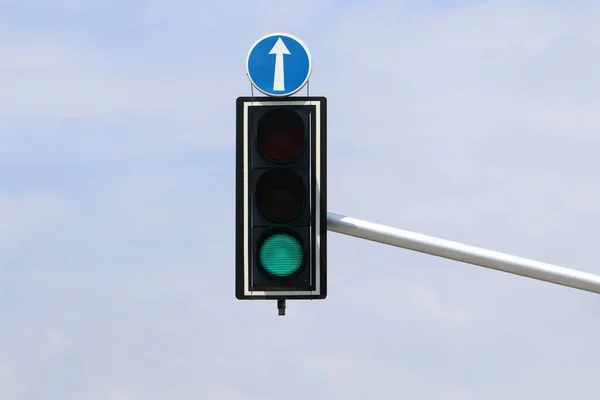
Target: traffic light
281,202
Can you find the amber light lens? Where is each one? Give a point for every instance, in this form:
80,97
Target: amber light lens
280,194
280,134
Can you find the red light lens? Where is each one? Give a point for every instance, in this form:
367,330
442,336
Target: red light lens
280,134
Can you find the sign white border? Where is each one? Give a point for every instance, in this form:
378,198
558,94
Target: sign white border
290,37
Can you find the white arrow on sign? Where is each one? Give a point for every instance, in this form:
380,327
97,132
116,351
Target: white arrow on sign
279,49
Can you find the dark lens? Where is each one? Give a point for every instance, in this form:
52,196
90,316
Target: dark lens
280,134
280,194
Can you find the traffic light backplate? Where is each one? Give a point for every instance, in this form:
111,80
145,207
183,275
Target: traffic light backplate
281,201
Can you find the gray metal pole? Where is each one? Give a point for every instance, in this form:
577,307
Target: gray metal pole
464,253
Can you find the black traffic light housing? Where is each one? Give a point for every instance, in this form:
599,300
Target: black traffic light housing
281,201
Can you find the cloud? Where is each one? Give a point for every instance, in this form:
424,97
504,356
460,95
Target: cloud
27,219
67,97
6,373
117,165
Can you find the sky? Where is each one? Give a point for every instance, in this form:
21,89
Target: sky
474,121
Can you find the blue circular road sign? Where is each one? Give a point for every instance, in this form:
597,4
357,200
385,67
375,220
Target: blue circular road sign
278,64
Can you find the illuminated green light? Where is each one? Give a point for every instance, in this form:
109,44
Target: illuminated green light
281,255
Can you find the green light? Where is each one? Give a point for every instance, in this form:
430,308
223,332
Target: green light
281,255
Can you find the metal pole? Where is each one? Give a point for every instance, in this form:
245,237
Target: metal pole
464,253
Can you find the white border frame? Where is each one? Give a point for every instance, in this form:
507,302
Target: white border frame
316,207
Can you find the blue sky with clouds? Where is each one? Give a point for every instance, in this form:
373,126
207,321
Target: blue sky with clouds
477,122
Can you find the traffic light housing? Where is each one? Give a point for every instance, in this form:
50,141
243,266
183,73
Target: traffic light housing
281,201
